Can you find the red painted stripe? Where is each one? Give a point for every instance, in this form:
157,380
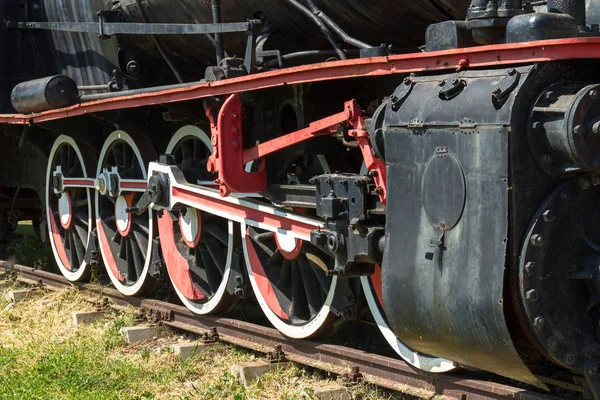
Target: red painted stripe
377,285
86,182
58,243
447,60
262,282
133,185
276,221
178,267
108,256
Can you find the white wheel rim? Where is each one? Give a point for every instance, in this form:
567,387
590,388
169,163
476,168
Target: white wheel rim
128,290
72,276
210,305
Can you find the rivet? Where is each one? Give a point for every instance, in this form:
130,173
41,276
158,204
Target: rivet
593,94
537,126
537,240
579,130
549,216
552,343
539,323
585,183
531,295
570,359
530,268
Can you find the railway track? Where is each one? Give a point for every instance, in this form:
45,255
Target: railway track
383,371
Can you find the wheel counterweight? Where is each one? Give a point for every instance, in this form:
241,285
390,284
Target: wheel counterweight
69,211
125,239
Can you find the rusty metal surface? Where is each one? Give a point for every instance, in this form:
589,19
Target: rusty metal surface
384,371
475,57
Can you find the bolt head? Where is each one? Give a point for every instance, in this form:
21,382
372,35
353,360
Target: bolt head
585,183
511,71
530,268
570,358
553,343
407,81
531,295
455,81
549,216
579,130
594,94
537,240
442,82
539,323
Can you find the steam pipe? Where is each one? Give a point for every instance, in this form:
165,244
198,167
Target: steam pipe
321,26
336,28
216,16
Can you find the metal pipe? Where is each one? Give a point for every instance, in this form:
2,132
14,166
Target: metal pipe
309,53
216,16
156,42
336,28
321,26
93,87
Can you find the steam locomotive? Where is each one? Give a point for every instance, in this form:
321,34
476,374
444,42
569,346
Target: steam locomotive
438,159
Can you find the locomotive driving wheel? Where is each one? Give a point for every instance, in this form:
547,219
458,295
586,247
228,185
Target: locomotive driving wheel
125,239
197,246
69,210
288,275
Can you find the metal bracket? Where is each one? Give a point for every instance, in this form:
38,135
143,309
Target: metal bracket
276,356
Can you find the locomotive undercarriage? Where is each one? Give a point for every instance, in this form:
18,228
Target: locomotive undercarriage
457,200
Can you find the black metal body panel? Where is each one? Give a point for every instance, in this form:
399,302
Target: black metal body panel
443,286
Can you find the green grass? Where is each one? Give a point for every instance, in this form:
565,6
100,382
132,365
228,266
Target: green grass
42,356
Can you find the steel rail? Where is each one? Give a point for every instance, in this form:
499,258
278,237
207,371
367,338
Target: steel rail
383,371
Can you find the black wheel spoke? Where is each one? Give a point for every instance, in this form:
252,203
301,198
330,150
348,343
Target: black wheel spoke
299,305
216,254
138,261
82,233
132,274
312,288
218,233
